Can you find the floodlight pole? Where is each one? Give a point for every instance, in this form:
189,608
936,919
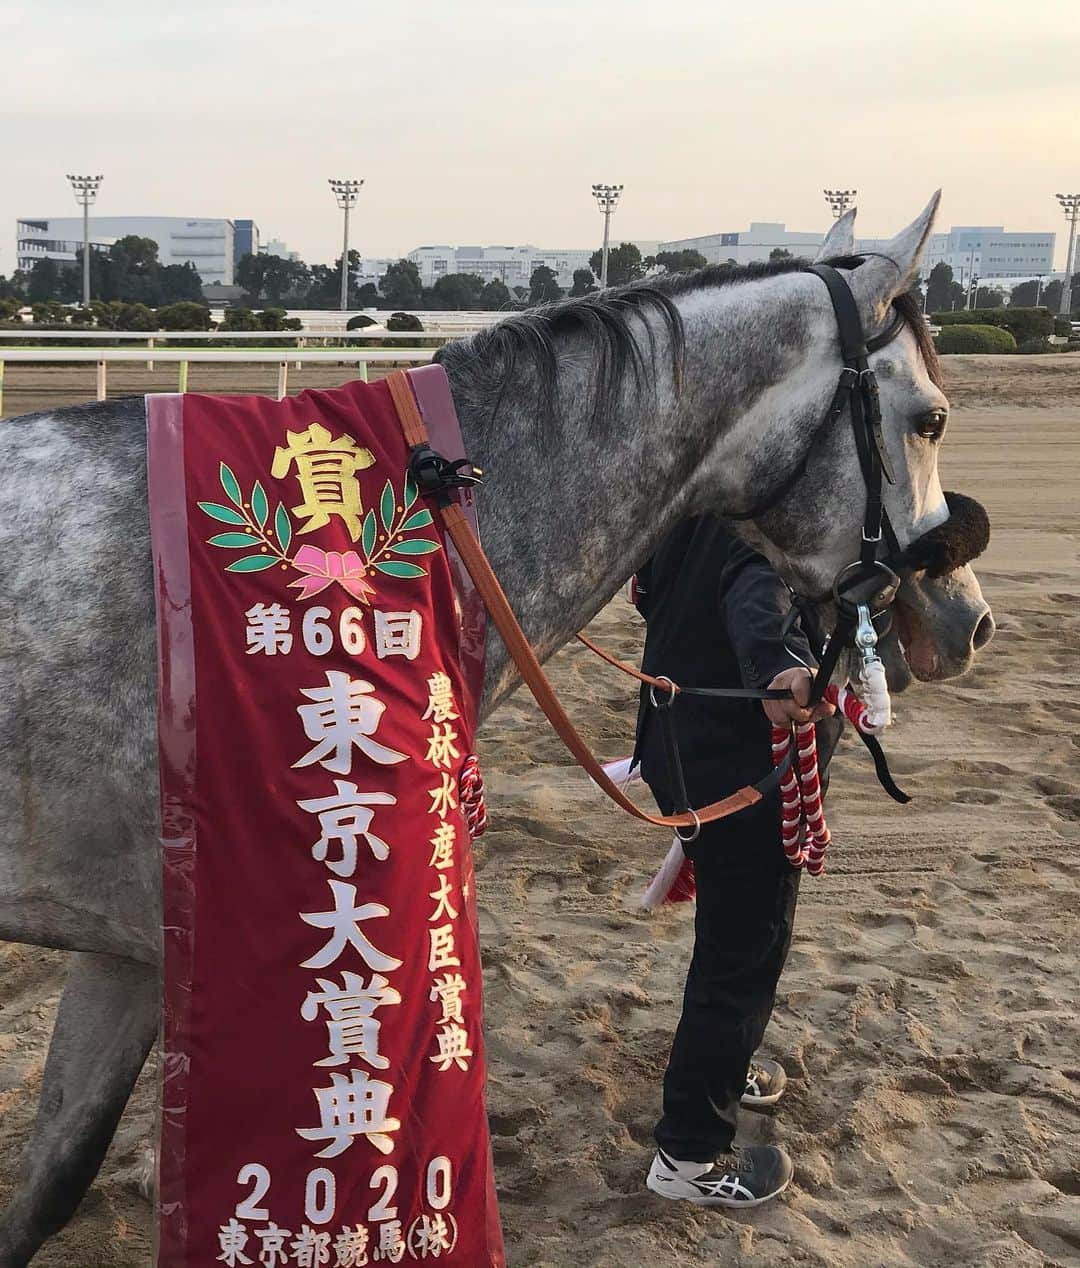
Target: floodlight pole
346,193
971,278
1070,205
85,189
839,200
607,199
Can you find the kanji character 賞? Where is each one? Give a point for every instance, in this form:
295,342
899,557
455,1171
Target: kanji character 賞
268,629
344,925
454,1048
232,1238
448,990
273,1253
311,1249
443,906
391,1245
429,1237
441,705
398,634
326,468
351,1247
444,798
353,1027
344,714
442,846
346,818
443,950
442,745
351,1107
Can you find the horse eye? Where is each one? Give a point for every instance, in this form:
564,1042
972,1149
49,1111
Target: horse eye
932,424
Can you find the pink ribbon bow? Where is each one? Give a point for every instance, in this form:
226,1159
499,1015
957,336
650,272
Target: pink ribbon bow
325,567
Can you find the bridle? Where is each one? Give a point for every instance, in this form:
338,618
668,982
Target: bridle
862,590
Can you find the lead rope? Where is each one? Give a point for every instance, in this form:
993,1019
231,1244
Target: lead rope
803,829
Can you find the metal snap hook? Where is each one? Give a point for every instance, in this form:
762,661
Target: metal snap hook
695,833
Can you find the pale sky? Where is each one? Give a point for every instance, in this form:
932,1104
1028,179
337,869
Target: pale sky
479,121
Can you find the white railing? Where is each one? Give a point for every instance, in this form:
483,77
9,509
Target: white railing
183,357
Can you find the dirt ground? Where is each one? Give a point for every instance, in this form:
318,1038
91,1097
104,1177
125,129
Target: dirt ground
930,1014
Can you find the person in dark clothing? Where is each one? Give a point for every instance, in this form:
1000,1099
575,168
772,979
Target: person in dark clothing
715,609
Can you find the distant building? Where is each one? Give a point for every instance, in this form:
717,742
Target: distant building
989,250
207,244
275,246
245,239
511,265
747,245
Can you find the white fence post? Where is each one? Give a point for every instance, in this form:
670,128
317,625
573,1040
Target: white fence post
283,380
102,382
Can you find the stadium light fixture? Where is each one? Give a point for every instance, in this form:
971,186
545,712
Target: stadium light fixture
840,200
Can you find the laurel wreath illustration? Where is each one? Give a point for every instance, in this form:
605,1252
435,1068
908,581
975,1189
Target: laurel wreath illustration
381,538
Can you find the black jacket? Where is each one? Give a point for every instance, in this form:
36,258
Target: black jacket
715,610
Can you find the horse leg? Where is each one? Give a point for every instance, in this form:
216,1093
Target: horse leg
107,1021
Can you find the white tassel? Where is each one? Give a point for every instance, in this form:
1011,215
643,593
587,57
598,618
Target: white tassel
620,773
665,878
874,693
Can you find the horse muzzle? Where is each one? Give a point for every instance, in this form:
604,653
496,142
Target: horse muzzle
942,622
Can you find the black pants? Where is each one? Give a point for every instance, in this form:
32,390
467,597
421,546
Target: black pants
746,895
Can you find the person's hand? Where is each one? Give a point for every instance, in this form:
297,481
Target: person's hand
784,712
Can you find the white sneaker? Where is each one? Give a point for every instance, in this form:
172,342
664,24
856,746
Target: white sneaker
748,1176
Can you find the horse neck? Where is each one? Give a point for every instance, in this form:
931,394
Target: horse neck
573,503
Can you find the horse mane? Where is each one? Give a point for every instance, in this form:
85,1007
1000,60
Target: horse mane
611,320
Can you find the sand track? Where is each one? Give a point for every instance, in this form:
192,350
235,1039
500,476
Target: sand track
929,1014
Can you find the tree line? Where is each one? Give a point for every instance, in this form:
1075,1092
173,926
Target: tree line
129,280
129,271
129,283
944,294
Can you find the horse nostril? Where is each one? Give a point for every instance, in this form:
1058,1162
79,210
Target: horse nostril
984,632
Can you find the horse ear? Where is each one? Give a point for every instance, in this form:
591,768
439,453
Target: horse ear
892,270
840,240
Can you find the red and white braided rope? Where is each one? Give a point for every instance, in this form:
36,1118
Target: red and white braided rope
803,829
471,787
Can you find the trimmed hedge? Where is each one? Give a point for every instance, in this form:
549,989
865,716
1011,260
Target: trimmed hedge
404,321
1023,324
974,338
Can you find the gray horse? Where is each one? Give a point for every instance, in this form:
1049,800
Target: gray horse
600,422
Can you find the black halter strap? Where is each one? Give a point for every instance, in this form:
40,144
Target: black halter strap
856,393
859,392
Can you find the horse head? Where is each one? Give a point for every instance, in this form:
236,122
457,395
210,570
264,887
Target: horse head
814,527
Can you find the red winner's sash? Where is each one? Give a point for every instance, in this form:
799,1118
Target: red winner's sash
323,1084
